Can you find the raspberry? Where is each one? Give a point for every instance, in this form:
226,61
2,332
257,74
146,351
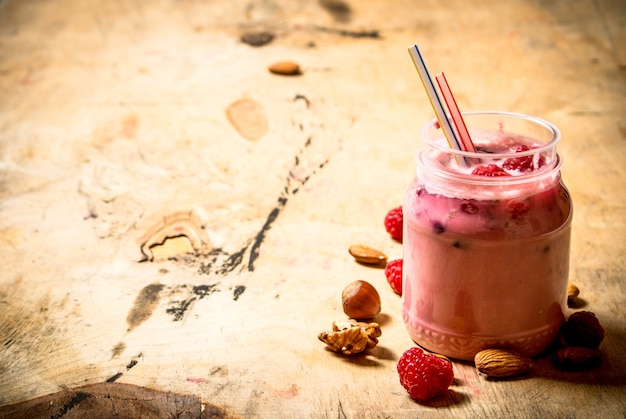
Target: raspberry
522,164
490,170
469,208
438,227
393,223
518,209
424,375
583,329
393,272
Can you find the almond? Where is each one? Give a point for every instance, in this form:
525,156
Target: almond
576,358
285,68
502,363
367,255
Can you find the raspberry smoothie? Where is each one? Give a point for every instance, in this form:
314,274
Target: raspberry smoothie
486,239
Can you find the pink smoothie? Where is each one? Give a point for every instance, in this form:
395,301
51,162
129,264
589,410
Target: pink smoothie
486,258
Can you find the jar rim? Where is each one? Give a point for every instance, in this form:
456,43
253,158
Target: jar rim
437,143
436,171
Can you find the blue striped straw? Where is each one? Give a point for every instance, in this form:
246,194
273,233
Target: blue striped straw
433,97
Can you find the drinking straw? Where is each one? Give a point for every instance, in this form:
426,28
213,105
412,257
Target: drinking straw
435,101
455,114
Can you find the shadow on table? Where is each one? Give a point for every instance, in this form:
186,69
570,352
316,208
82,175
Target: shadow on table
371,358
612,370
578,303
453,398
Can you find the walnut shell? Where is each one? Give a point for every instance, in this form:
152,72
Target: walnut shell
351,337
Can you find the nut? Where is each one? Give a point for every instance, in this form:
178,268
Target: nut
257,39
285,68
576,358
351,337
360,300
367,255
502,363
572,293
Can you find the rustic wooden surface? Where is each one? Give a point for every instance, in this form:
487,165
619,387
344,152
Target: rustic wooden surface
125,123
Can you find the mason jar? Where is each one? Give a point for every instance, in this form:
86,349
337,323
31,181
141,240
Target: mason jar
486,239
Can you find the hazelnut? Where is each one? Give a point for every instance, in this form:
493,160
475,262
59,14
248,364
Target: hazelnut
572,293
360,300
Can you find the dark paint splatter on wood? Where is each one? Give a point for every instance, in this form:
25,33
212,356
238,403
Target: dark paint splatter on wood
114,377
338,9
304,98
239,289
131,364
145,303
117,350
373,34
178,308
220,261
74,401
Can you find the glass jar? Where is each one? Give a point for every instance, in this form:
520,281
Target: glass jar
487,239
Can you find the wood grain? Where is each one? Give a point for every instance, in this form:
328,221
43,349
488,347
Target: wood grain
114,400
114,121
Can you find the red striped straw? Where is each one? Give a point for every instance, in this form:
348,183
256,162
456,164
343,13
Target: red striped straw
463,134
433,97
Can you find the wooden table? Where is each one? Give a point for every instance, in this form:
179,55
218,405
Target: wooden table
175,219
